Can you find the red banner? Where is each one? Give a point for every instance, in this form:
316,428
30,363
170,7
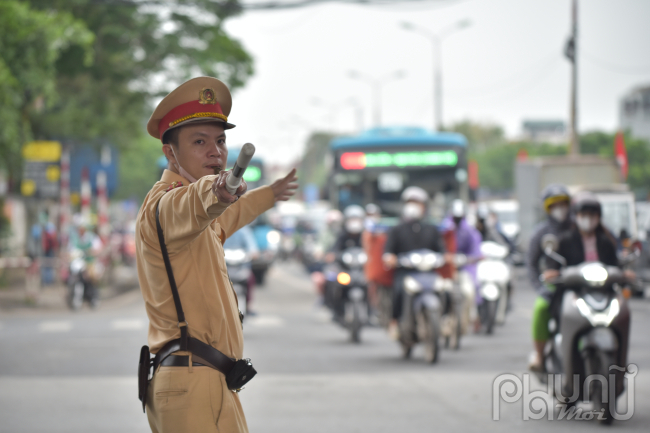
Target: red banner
621,153
472,178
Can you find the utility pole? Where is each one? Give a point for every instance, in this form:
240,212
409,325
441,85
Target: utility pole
376,85
571,52
436,43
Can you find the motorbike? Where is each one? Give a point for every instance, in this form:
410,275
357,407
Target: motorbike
432,305
347,291
80,285
590,329
238,263
494,281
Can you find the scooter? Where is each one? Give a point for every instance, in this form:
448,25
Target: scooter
349,295
494,280
431,307
80,286
238,263
590,329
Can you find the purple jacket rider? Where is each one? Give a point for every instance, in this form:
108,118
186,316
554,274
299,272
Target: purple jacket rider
468,242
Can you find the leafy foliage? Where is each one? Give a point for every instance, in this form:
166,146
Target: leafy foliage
138,170
107,62
638,156
480,136
31,42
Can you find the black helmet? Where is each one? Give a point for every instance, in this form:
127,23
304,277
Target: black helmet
586,201
554,193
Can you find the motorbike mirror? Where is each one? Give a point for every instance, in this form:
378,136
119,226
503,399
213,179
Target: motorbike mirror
549,243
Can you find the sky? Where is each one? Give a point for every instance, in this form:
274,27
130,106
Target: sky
505,67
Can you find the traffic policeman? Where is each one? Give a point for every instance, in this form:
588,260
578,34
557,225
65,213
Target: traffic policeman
196,215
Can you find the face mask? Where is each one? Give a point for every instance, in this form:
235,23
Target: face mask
586,224
354,226
560,213
181,170
412,211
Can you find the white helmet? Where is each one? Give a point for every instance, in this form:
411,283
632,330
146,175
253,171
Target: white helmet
458,208
373,209
354,211
415,193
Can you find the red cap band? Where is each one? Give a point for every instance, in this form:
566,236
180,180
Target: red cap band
190,110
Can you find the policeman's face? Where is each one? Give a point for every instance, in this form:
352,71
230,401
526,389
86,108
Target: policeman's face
202,149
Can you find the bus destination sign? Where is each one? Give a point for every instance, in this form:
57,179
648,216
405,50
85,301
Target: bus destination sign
361,160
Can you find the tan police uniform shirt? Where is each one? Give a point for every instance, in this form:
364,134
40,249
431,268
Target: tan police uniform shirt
195,225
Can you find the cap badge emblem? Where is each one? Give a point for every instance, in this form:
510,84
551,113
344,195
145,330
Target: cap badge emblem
207,96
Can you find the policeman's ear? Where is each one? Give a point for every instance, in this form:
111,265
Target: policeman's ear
169,154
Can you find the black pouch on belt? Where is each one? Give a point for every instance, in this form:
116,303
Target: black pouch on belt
240,374
143,375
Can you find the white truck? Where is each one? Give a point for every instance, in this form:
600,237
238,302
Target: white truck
579,173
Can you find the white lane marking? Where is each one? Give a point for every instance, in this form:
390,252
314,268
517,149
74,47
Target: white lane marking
55,326
127,324
265,321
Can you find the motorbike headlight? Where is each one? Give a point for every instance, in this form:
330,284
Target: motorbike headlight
594,274
273,237
363,258
411,285
347,258
490,292
603,318
492,270
416,259
343,278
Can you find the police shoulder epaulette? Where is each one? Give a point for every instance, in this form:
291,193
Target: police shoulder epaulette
173,185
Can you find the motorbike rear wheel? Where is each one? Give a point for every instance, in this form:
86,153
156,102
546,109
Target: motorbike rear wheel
490,316
355,324
599,364
76,295
428,326
452,341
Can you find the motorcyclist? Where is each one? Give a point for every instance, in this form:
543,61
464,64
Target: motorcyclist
326,239
555,200
353,225
468,242
487,223
411,234
90,244
244,239
349,237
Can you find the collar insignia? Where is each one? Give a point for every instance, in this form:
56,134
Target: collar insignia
174,185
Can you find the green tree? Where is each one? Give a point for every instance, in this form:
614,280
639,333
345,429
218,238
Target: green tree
31,42
480,136
496,164
138,169
140,51
638,156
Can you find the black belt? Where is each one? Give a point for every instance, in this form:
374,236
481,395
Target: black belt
179,361
203,353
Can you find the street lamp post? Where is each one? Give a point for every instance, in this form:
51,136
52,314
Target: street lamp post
436,43
376,85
